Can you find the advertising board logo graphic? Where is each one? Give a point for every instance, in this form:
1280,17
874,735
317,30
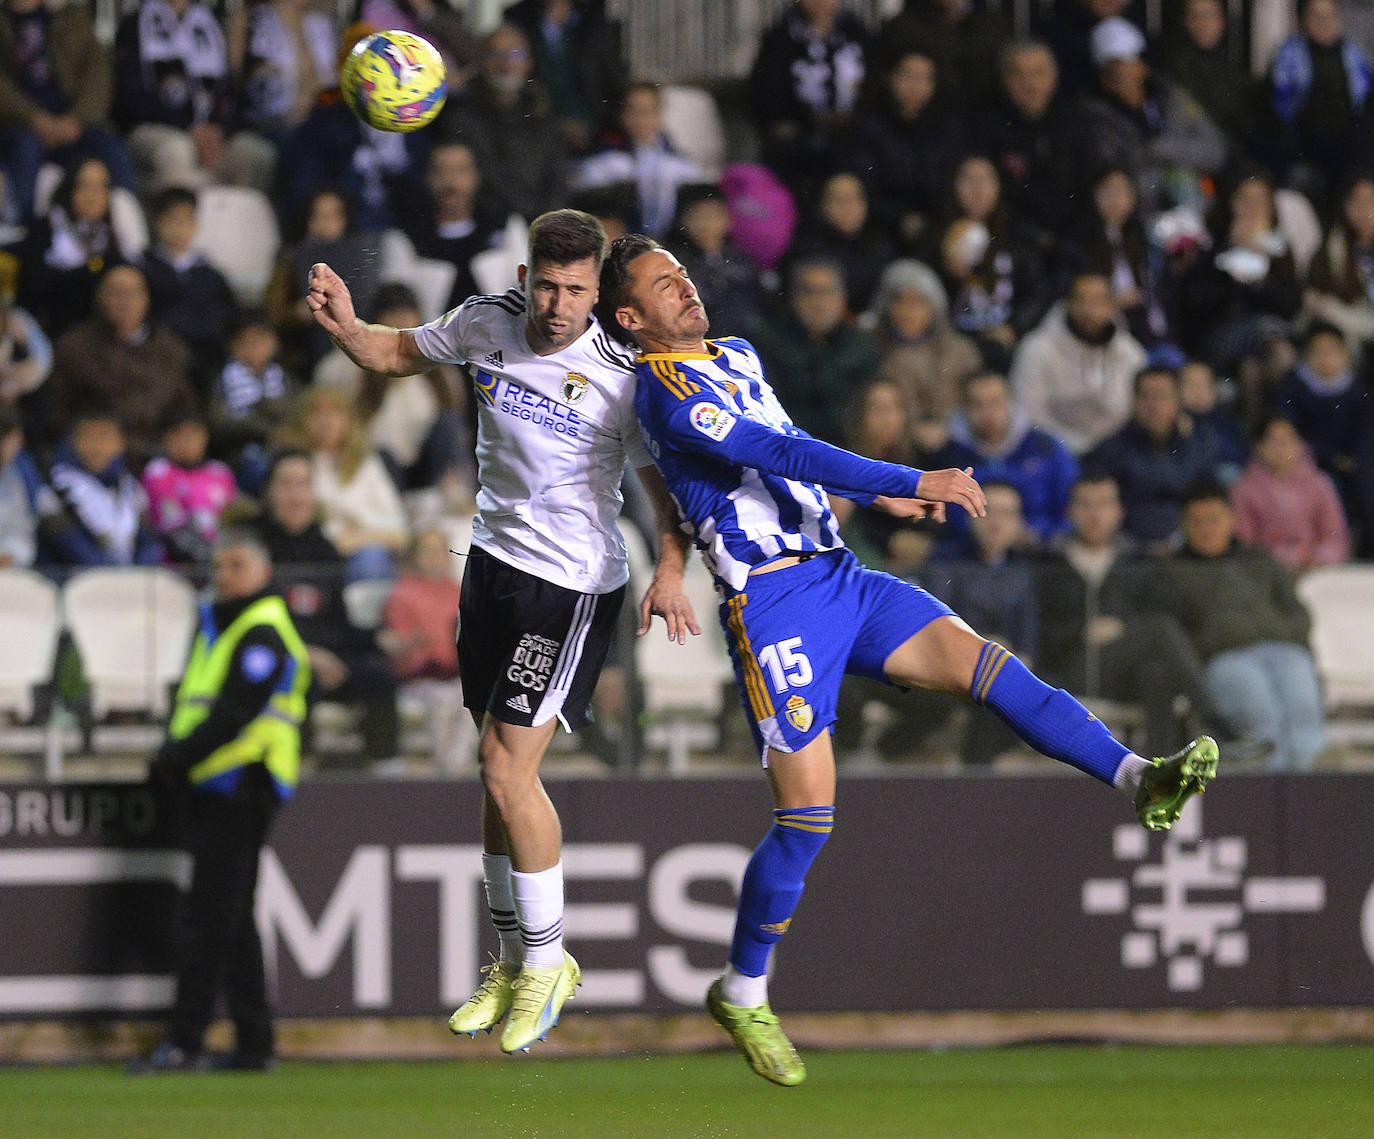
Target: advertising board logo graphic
1188,908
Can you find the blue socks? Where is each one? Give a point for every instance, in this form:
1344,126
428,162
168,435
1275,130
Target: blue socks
773,883
1048,719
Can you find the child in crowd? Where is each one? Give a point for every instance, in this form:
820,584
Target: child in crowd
1285,505
23,495
251,400
25,353
1200,393
187,492
420,635
99,514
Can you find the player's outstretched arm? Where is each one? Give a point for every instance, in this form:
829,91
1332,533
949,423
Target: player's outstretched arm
373,347
665,595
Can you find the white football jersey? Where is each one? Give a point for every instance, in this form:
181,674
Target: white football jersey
554,433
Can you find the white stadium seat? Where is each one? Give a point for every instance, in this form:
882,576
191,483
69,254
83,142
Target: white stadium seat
1341,601
692,123
494,269
238,236
133,629
28,650
431,280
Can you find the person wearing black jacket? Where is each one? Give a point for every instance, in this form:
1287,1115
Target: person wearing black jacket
231,757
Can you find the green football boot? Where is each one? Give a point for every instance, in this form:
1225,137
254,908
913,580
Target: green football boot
1170,782
538,999
759,1038
484,1009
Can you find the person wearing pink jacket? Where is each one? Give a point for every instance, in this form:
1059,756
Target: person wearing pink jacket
1285,505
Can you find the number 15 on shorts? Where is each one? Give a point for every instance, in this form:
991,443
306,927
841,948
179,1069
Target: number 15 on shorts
786,665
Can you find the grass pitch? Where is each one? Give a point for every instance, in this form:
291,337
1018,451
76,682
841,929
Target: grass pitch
1055,1092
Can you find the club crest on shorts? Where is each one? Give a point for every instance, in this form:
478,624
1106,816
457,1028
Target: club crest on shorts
575,387
798,713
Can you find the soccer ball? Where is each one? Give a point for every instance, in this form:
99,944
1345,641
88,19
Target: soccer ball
394,81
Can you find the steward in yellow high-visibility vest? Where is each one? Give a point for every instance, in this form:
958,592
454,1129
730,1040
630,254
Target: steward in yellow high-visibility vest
233,748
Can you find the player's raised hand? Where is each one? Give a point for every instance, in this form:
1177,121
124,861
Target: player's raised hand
331,302
954,486
665,598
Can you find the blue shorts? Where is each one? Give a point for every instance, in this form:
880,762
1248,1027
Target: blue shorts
795,632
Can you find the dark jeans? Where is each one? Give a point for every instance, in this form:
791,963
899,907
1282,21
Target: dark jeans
1152,664
371,682
218,946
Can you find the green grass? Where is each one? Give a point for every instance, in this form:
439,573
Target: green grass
1299,1092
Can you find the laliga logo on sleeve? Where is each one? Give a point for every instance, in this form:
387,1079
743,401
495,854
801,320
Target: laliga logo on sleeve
712,421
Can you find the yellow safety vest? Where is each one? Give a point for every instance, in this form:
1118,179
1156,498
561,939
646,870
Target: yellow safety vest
273,738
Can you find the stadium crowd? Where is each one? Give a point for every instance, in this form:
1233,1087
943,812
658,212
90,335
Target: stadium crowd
1129,284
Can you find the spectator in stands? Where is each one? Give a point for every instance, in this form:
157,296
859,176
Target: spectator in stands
1034,136
641,156
414,422
24,496
251,400
992,271
1116,244
327,235
1073,374
1068,25
173,99
842,230
1333,412
68,249
1245,620
282,53
815,359
803,87
1154,459
1237,299
188,294
345,663
444,219
1283,504
726,277
55,89
904,145
1320,83
1200,59
119,358
578,60
1138,119
985,570
506,121
99,516
25,354
922,353
186,491
996,439
1212,422
361,508
1340,280
420,634
1104,627
332,148
880,428
963,41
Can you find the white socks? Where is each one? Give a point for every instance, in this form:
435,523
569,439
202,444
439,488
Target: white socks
539,910
1127,778
496,874
741,991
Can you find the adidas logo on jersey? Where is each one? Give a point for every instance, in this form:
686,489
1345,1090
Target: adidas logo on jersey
520,703
494,359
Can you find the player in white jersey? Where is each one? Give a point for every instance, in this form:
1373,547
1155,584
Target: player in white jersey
546,573
799,610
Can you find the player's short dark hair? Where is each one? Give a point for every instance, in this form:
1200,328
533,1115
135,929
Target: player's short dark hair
1206,490
172,197
562,237
615,280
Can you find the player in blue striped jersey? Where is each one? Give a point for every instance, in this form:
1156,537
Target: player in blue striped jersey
800,611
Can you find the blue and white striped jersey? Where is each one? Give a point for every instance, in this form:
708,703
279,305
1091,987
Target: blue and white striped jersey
750,485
